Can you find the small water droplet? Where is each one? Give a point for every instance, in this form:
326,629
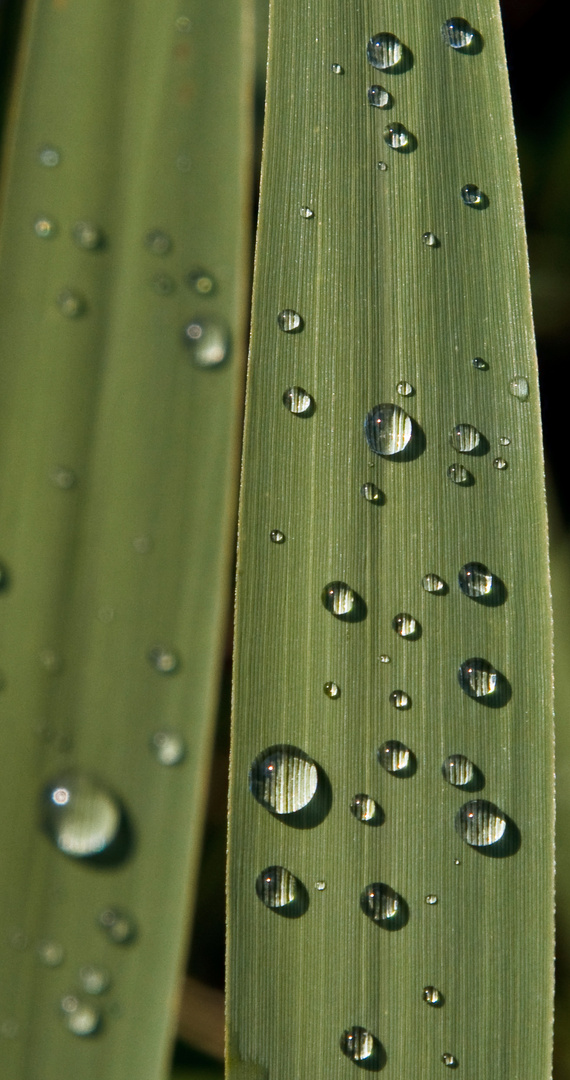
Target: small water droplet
81,1017
395,757
331,690
358,1044
364,808
168,747
430,239
457,33
384,51
477,677
306,212
431,899
183,24
500,463
472,195
405,389
480,364
371,493
450,1060
480,823
87,235
475,580
201,282
338,598
298,401
405,625
433,996
276,887
337,69
94,979
458,770
458,474
276,536
388,429
457,862
49,156
381,903
289,321
208,341
504,441
118,925
163,659
283,779
399,699
382,166
384,659
320,886
71,304
519,388
433,584
51,953
63,478
163,284
80,815
397,136
465,438
379,97
45,228
158,242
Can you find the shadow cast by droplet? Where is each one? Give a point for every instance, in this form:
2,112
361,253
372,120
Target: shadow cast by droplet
308,412
119,851
377,1059
378,819
357,613
415,447
316,810
297,907
480,450
476,45
495,597
405,63
508,845
476,783
500,696
435,243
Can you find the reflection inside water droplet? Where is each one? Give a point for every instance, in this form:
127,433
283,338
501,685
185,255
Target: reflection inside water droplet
201,282
320,886
475,580
45,228
465,438
500,464
306,212
480,823
381,904
450,1060
405,389
519,388
378,96
399,699
208,342
405,625
80,815
337,69
433,584
289,321
358,1044
473,196
432,995
431,899
395,757
283,779
371,493
480,364
457,33
298,401
384,51
94,979
430,239
458,770
382,166
276,887
388,429
364,808
458,474
276,536
477,677
338,598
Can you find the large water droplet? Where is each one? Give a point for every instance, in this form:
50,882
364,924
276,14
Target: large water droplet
163,659
276,887
371,493
457,33
450,1060
80,1017
208,342
158,242
405,625
458,474
94,979
473,196
379,97
382,904
119,926
458,770
71,304
358,1044
397,136
480,823
283,779
45,228
477,677
465,438
433,996
475,580
339,598
87,235
168,747
519,387
400,700
388,429
298,401
433,584
332,690
384,51
289,321
80,815
395,757
364,808
276,536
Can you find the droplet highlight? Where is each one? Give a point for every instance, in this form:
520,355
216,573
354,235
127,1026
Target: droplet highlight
480,823
405,389
298,401
458,770
51,953
337,69
465,438
283,779
277,887
71,304
289,321
80,815
339,598
388,429
457,33
477,678
45,228
475,580
384,51
450,1060
480,364
201,282
431,899
208,342
49,156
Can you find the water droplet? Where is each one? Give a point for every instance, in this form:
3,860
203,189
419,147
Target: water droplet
81,1017
397,136
384,51
298,401
163,660
320,886
395,757
63,478
51,953
433,584
379,97
405,389
500,463
458,770
119,926
168,747
306,212
519,388
457,862
458,474
504,441
358,1044
158,242
480,364
183,24
283,779
480,823
477,678
94,979
381,903
433,996
399,699
431,899
289,321
382,166
363,807
201,282
388,429
472,196
430,239
45,228
457,33
81,816
450,1060
276,887
276,536
87,235
331,690
384,659
71,304
371,493
49,156
208,341
338,598
475,580
465,438
337,69
405,625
